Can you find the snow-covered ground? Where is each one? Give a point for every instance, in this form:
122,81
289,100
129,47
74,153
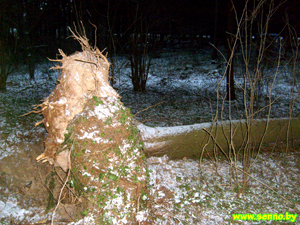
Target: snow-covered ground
182,86
181,90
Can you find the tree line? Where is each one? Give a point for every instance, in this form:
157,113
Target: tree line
32,30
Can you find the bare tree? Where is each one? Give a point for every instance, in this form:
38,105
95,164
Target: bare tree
7,43
215,52
138,49
230,52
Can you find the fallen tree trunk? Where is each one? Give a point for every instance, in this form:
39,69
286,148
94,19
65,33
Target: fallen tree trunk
190,141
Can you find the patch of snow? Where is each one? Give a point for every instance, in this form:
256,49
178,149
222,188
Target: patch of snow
182,191
91,136
11,209
158,132
142,216
88,220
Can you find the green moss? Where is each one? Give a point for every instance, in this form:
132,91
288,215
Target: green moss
123,116
68,136
112,177
123,171
133,133
85,212
97,101
236,189
51,200
108,121
137,169
82,118
110,182
120,190
101,176
134,178
100,198
75,183
118,152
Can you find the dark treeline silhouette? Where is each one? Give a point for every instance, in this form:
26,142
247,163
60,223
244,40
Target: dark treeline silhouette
32,30
44,23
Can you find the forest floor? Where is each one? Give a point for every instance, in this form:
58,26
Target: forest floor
181,90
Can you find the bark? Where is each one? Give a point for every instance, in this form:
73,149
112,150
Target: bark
215,52
230,52
3,78
190,141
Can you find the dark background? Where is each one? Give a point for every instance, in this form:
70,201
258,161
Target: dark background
42,25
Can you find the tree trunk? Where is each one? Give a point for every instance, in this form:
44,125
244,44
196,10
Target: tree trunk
230,53
31,66
6,67
215,52
139,59
189,141
3,79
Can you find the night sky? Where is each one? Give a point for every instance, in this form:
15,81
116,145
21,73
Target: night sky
46,22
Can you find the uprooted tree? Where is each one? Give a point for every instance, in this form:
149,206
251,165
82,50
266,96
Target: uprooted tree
92,139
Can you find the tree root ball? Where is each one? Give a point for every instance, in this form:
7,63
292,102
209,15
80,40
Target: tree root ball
84,75
107,157
91,136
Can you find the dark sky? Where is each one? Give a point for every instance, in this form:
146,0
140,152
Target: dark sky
198,16
43,21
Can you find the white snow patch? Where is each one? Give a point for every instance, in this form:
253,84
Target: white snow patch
141,216
11,209
150,132
88,220
62,100
91,136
